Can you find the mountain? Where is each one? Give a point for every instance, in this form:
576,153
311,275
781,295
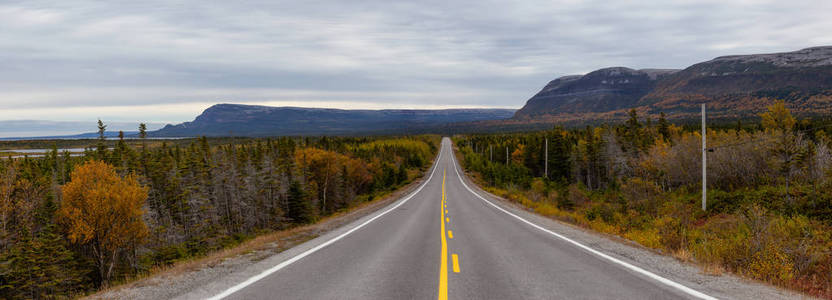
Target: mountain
88,135
731,86
599,91
252,120
42,129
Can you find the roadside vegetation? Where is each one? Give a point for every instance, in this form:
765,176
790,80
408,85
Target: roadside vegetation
769,214
71,225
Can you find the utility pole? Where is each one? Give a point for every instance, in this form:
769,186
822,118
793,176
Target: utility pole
490,154
546,159
704,162
506,155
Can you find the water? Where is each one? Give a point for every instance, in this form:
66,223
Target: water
20,153
41,151
74,154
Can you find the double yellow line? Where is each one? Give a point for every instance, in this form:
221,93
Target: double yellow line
443,267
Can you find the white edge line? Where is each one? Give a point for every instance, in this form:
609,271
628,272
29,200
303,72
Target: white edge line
636,269
285,263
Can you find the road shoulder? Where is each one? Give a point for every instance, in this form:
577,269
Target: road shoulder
205,277
725,286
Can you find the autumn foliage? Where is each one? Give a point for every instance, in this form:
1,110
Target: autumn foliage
123,208
769,211
103,210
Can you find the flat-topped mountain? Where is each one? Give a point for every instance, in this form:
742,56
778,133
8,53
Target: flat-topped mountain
599,91
252,120
732,87
809,57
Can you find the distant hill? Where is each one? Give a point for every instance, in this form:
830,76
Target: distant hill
251,120
733,87
42,129
88,135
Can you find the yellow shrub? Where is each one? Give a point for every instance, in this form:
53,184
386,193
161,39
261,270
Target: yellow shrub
600,226
721,241
548,210
649,238
771,265
670,231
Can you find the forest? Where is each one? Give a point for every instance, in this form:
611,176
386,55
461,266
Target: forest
73,224
769,199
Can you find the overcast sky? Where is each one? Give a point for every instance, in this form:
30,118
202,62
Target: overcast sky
167,61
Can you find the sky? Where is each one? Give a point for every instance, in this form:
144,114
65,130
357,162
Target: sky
166,61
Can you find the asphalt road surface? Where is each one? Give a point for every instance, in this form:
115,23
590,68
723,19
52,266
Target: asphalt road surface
444,241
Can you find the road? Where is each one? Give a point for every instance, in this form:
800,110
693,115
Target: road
444,241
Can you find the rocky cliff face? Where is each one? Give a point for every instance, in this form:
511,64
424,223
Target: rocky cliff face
744,84
732,87
599,91
251,120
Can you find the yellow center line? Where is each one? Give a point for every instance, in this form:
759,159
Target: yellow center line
450,234
443,264
456,263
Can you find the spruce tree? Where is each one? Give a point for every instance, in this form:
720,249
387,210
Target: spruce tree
41,268
300,210
664,127
142,131
102,146
401,175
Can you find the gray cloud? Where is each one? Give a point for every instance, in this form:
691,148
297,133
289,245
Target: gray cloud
167,60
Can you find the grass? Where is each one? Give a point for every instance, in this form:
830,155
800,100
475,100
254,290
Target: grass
786,251
265,244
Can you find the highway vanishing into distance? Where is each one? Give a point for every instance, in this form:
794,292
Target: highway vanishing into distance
445,240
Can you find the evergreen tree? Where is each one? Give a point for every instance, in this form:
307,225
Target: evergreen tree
560,160
300,209
664,127
196,196
401,175
633,133
102,140
41,268
142,131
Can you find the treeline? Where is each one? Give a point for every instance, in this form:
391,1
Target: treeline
72,224
769,212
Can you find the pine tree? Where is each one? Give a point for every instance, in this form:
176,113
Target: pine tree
102,146
560,160
41,268
142,131
632,133
401,175
664,127
300,210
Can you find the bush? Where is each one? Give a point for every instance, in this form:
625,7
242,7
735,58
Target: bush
649,237
641,195
577,196
602,210
770,264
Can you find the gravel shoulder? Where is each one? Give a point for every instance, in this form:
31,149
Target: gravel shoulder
211,276
724,286
208,276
